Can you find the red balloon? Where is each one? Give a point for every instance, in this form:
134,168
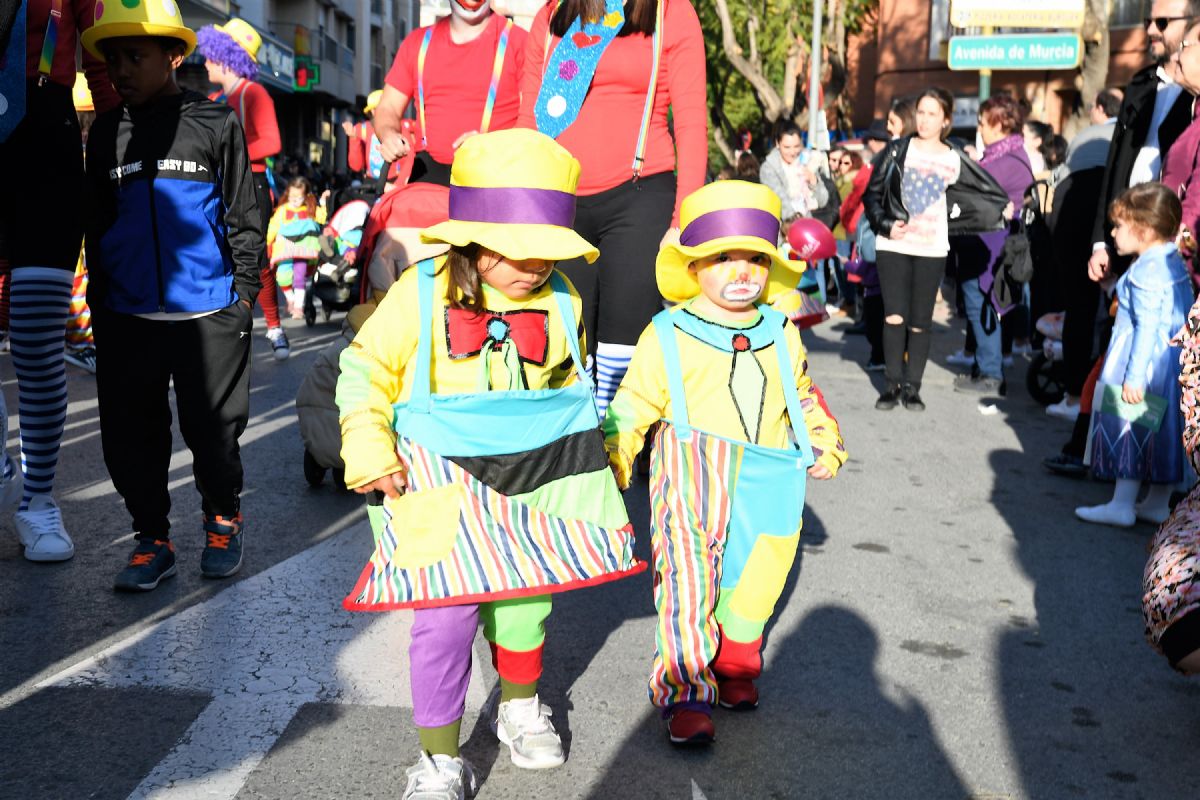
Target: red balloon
811,240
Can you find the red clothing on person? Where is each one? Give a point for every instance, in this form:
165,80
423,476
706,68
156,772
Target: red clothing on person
77,17
358,150
256,110
852,206
456,79
604,135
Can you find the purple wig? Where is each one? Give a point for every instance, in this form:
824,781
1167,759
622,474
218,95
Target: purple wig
221,48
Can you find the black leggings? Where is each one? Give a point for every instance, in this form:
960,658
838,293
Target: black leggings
909,285
627,223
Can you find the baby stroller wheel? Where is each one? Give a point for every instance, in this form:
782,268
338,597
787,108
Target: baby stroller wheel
310,314
1044,380
314,473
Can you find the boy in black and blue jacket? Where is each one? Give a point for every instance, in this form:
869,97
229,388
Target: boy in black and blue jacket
174,242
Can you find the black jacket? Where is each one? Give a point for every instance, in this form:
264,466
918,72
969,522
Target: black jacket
975,201
1132,130
173,222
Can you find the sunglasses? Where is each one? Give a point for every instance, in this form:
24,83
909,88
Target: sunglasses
1160,22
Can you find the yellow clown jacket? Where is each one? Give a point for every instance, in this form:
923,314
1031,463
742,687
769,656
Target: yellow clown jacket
644,398
377,366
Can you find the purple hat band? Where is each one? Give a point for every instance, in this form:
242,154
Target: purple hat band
731,222
507,205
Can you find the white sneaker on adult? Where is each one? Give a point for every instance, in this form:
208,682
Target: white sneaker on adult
1064,409
440,777
1118,515
40,528
961,358
524,725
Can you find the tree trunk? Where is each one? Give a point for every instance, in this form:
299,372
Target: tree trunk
1093,73
773,105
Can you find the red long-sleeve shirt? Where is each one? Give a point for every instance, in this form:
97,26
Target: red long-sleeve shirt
256,110
852,206
77,17
604,135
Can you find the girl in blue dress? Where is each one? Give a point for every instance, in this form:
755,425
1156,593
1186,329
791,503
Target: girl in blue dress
1136,426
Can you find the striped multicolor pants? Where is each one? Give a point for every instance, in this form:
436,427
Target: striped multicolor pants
709,626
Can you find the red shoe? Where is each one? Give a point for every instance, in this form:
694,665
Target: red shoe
737,694
689,727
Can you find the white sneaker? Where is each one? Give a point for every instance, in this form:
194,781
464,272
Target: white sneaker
279,343
961,358
1064,409
440,777
1119,516
524,725
41,530
82,357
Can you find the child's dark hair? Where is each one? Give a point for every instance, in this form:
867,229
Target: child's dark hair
640,15
463,263
1149,205
170,44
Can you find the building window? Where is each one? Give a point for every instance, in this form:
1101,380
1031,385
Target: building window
1127,13
350,37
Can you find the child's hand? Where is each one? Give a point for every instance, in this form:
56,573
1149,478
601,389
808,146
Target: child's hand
820,472
1131,394
392,485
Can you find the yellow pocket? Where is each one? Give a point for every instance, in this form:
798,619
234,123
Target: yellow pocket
763,577
425,524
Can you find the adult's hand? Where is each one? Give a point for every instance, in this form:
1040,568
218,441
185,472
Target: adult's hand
348,127
899,228
392,485
393,146
1099,268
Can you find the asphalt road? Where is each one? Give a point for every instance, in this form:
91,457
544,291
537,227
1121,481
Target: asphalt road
951,631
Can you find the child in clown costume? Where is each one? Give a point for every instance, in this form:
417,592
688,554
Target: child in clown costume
292,241
464,400
742,424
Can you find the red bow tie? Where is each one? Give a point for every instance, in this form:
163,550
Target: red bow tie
468,332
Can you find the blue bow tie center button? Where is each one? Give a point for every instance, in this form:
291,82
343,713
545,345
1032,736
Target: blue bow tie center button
498,330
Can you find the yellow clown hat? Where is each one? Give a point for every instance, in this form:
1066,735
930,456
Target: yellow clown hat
243,34
725,215
81,95
513,191
116,18
373,101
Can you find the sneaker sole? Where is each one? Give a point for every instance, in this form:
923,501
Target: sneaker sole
145,587
699,740
48,558
525,762
228,573
744,705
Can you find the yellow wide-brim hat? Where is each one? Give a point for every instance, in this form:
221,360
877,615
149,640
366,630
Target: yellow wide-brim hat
243,34
513,191
373,101
722,216
114,18
81,95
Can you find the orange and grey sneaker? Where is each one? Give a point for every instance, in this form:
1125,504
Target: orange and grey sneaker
687,726
222,555
149,564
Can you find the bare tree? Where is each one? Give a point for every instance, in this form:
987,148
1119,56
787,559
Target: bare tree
1093,72
776,101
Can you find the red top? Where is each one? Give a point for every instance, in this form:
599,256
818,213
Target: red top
77,17
256,110
358,148
604,135
457,77
852,206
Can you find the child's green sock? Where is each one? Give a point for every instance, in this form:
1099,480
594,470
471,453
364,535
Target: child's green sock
516,691
443,740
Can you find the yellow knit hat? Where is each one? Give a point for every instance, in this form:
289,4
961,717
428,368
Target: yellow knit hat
117,18
243,34
725,215
373,101
513,191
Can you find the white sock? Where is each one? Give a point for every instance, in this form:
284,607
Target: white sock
1125,492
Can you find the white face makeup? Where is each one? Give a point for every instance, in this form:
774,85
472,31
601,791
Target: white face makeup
470,10
734,280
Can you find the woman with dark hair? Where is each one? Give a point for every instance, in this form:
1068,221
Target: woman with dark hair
1035,135
976,256
902,117
600,77
922,190
747,167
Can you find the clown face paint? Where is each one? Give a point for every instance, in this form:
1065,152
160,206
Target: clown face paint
470,10
732,281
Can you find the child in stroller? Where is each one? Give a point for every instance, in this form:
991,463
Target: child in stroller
390,243
335,282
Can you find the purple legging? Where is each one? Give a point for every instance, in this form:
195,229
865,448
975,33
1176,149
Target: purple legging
440,660
299,273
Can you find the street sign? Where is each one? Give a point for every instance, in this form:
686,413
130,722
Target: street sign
1016,51
1017,13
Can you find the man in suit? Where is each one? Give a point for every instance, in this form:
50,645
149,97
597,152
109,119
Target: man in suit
1153,114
